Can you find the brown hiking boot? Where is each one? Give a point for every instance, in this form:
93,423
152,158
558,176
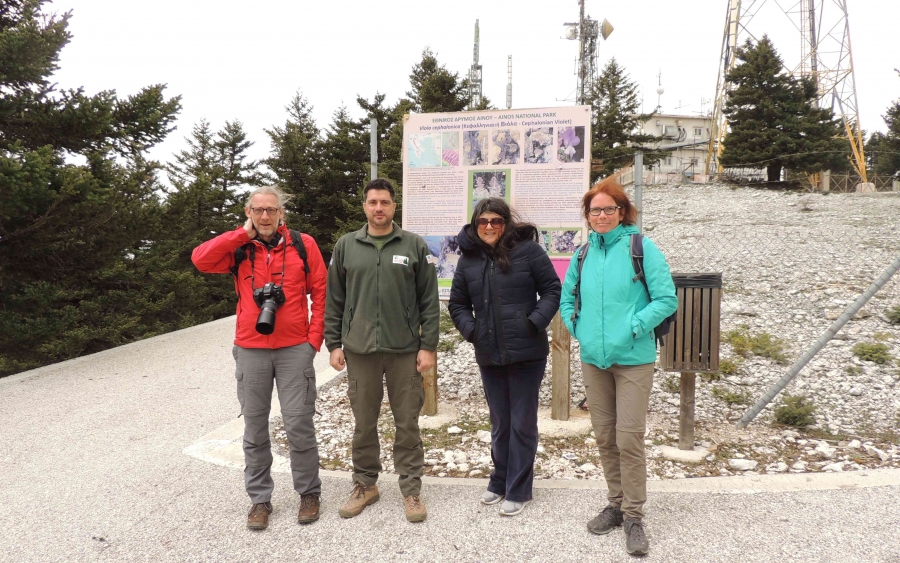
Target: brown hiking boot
309,509
360,498
258,519
415,508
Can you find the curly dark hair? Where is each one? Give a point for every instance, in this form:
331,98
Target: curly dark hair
514,230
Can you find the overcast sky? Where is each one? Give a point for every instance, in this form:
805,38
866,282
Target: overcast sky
245,60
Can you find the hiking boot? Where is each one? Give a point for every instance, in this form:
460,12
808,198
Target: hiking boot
511,508
309,508
415,508
490,498
258,518
361,497
636,541
604,522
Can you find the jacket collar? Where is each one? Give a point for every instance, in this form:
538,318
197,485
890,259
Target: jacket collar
610,238
363,233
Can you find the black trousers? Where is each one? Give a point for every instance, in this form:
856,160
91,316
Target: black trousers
512,396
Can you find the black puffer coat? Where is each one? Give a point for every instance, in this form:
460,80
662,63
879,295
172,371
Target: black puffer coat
510,322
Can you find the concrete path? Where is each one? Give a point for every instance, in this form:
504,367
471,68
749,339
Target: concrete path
94,469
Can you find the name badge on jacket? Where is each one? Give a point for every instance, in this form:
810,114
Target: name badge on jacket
401,260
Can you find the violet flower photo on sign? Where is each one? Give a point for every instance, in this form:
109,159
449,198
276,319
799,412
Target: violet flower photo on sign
571,145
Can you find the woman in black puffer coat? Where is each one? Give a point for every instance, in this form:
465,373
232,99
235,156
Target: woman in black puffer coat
504,294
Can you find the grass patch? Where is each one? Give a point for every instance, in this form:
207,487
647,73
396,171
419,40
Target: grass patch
731,397
710,376
881,336
853,370
729,366
763,344
893,315
449,336
872,352
796,410
672,384
446,325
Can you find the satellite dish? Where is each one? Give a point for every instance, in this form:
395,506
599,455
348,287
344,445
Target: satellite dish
660,90
606,29
571,32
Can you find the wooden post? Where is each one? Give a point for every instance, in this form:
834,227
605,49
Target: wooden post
429,381
559,350
686,416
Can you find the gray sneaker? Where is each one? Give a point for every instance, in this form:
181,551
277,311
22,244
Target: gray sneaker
636,542
603,523
490,498
510,508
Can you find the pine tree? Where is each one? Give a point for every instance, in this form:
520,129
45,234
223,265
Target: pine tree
883,149
295,163
773,119
434,88
344,173
616,122
66,229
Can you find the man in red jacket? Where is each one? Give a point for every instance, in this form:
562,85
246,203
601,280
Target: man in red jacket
283,357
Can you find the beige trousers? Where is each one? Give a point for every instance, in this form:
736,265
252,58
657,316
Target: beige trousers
618,399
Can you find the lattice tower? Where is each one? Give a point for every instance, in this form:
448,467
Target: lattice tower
475,83
825,56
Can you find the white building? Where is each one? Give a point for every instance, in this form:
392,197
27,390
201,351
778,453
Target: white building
688,136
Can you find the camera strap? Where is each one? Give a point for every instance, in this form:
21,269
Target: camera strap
242,253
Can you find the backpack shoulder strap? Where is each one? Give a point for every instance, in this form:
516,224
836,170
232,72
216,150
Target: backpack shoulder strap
580,255
637,261
240,254
297,241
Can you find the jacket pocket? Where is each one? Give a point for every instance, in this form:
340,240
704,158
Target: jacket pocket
409,323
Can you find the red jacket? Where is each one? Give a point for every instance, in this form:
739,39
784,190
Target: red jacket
293,324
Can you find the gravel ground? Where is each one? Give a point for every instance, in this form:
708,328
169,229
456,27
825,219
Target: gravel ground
94,470
791,262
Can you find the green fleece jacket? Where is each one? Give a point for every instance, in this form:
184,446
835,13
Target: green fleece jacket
617,317
382,300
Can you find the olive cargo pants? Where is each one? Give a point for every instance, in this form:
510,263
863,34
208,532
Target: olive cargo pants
367,375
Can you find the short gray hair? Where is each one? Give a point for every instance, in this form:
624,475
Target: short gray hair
274,190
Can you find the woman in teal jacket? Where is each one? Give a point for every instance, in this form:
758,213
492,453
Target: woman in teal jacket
618,350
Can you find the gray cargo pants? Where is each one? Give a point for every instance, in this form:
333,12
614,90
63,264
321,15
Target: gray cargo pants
290,368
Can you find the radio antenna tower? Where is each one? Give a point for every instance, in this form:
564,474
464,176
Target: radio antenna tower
825,56
586,30
509,83
475,84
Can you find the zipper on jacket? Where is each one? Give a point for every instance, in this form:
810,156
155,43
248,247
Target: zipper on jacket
498,318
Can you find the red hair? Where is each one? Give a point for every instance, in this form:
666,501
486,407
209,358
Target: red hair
613,189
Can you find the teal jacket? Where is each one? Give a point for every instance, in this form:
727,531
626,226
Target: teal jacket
382,300
617,318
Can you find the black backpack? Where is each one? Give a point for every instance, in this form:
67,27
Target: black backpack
637,262
241,253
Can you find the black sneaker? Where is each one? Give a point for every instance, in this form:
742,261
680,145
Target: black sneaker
636,542
604,522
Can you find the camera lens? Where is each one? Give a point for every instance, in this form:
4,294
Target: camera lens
265,323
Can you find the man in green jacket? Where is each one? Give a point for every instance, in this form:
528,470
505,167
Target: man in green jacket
381,322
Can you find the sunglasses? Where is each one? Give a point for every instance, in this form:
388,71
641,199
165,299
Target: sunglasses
493,221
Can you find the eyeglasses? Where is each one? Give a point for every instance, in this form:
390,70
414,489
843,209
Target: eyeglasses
597,211
495,222
260,210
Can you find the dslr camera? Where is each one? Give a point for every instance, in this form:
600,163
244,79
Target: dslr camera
268,298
